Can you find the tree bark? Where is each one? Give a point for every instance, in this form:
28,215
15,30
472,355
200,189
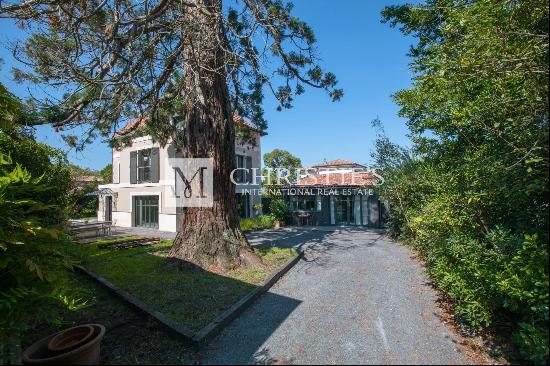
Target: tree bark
209,236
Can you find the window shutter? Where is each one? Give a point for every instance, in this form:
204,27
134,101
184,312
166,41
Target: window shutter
249,168
155,165
133,167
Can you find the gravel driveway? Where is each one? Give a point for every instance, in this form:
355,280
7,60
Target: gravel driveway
356,298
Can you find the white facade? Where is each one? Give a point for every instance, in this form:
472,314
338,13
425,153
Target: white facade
124,202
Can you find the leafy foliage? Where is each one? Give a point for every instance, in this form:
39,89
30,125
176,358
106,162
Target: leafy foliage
77,170
84,205
34,180
80,203
472,194
40,160
33,268
281,159
140,72
284,160
278,208
10,108
261,222
106,174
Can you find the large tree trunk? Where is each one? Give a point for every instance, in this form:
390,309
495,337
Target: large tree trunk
209,236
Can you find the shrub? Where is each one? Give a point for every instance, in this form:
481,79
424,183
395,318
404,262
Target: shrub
34,180
248,224
278,208
472,193
33,268
40,160
486,270
261,222
265,221
82,204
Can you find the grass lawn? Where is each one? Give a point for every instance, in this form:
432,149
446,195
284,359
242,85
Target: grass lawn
131,338
193,298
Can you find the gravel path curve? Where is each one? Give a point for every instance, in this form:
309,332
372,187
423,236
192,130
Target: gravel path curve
356,298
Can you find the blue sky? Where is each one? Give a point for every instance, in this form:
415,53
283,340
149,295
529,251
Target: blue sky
368,58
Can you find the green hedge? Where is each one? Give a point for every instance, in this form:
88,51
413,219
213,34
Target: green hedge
471,195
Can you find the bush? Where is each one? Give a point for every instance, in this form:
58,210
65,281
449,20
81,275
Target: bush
261,222
248,224
472,193
34,180
488,268
278,208
33,268
40,160
501,274
265,221
82,204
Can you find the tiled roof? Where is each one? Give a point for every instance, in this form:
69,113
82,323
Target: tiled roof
337,163
240,120
337,179
132,125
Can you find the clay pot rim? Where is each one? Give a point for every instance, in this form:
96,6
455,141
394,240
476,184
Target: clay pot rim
97,338
82,341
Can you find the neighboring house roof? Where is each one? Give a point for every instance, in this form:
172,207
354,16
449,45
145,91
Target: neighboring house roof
338,163
358,179
138,123
80,182
86,178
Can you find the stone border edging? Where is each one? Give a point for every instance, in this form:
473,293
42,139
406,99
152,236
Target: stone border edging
211,330
140,305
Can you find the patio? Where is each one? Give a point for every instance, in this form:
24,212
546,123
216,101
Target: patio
288,236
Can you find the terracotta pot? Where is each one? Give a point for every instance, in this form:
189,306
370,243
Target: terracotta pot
85,353
70,339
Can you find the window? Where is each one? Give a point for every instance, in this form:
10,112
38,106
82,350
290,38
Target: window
309,203
240,176
146,211
144,165
243,205
305,203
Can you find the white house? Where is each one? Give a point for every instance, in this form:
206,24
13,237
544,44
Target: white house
142,174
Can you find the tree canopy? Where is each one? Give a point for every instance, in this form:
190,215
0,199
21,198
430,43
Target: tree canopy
107,174
282,159
181,68
120,60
